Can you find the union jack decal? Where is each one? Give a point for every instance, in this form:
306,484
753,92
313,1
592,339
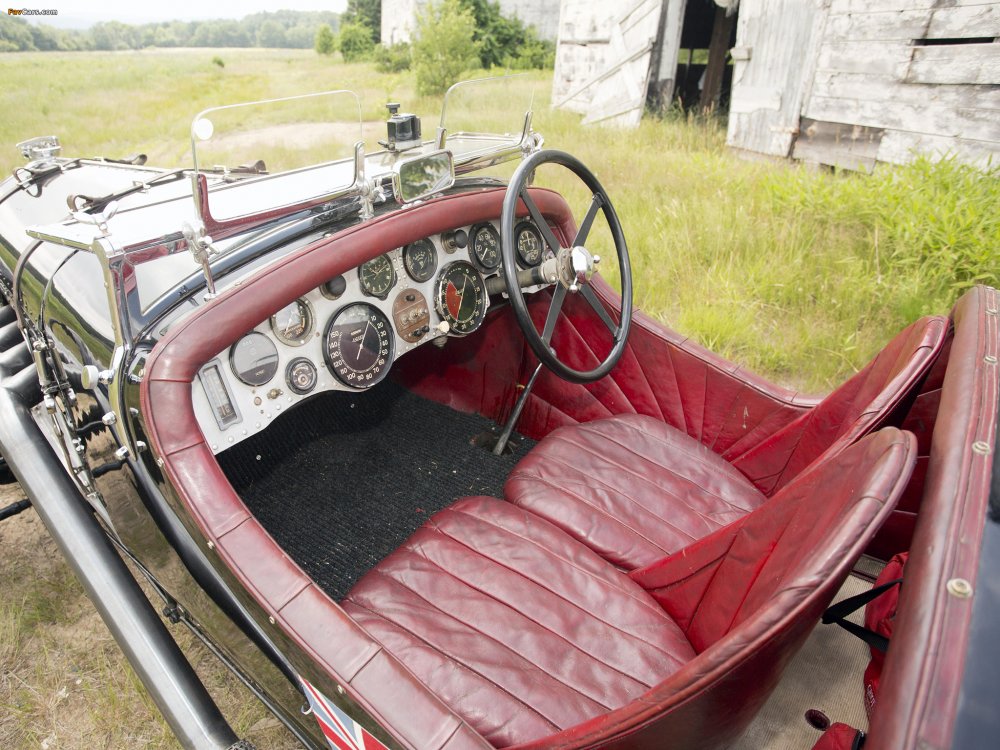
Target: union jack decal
340,730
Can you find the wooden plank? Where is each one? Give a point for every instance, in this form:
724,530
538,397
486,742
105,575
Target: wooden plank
967,122
891,92
899,147
768,89
941,23
834,144
963,63
753,98
865,6
875,58
722,29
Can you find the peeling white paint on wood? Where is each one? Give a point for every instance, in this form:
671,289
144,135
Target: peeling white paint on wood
874,65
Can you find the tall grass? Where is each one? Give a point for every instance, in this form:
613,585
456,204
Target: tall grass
799,274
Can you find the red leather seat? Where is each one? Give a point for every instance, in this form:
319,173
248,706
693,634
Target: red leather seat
536,641
635,489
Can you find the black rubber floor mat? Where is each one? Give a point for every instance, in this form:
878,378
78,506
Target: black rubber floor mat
344,479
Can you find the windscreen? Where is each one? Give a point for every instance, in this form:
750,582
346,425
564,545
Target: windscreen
308,138
487,113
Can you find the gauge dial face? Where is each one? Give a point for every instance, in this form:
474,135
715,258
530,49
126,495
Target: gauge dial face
460,297
377,277
301,375
293,323
358,345
420,259
486,246
334,288
254,359
529,244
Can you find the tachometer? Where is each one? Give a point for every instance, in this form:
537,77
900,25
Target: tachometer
377,277
460,297
420,259
486,246
358,345
293,323
529,244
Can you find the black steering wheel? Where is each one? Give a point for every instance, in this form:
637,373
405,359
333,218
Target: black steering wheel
570,270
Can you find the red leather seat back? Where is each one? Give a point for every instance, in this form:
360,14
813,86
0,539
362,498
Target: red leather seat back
748,595
869,400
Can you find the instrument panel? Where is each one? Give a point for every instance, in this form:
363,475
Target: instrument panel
347,332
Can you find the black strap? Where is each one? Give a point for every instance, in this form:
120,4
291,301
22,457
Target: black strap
839,611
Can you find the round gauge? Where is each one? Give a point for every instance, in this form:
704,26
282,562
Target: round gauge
293,323
358,345
377,277
486,246
529,244
254,359
460,297
334,288
420,259
301,375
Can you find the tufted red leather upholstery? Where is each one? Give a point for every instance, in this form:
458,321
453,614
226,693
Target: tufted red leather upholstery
536,641
635,489
520,629
631,488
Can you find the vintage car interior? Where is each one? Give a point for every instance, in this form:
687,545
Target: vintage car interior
473,499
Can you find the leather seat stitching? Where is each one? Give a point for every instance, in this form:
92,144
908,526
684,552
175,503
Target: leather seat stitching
631,472
527,617
458,663
602,582
488,637
663,491
603,512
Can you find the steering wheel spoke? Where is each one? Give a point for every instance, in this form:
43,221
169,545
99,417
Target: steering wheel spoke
582,233
572,268
588,294
540,222
558,295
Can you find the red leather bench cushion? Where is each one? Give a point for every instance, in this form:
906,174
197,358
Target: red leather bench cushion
520,629
630,487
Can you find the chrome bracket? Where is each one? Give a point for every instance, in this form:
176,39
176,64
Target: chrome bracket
202,249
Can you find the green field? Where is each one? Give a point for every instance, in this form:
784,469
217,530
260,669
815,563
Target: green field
801,275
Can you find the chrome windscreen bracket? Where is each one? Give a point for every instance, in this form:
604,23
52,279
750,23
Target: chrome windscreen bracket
202,249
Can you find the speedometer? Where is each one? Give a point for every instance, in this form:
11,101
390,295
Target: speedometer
460,297
358,345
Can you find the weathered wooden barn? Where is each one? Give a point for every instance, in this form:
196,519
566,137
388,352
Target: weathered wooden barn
845,83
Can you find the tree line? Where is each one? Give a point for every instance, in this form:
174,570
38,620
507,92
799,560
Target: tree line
289,29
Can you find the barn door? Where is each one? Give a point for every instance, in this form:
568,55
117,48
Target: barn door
772,58
612,56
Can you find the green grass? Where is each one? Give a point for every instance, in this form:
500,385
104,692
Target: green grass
801,275
798,274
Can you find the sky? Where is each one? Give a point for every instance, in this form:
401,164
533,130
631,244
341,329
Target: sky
77,14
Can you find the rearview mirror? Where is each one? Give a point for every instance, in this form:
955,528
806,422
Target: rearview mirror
422,176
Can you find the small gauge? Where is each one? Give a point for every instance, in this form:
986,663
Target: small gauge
486,246
293,323
420,259
334,288
460,297
377,277
223,408
529,244
254,359
301,375
358,345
